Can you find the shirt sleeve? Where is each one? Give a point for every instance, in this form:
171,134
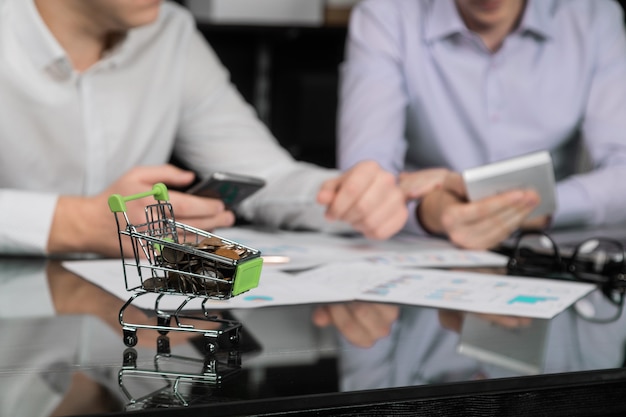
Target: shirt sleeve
372,96
26,221
597,197
25,278
219,131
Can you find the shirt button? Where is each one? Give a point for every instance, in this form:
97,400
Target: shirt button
60,70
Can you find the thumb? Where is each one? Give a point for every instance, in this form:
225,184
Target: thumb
455,183
327,191
169,174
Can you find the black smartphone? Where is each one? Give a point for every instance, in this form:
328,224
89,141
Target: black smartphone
232,189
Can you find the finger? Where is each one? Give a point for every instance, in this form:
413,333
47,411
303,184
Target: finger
455,184
192,206
376,319
418,183
327,191
536,222
201,212
491,206
380,210
321,317
224,219
510,322
168,174
350,190
489,232
504,222
451,320
351,329
373,320
485,223
385,220
377,200
413,192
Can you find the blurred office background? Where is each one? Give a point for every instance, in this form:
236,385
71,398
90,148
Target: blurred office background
283,56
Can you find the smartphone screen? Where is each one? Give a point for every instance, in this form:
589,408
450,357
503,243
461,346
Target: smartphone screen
232,189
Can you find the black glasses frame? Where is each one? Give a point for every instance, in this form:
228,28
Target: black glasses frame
611,280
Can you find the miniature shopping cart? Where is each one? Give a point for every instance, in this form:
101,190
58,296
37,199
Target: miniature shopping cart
183,263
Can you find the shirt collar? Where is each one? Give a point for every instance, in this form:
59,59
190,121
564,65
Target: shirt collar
443,19
32,32
536,19
45,51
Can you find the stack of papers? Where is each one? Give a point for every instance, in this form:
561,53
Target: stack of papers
341,269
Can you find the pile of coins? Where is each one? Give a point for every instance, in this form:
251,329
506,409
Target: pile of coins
189,273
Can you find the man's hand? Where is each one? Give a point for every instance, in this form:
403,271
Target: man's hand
366,197
453,320
476,225
416,184
362,324
86,224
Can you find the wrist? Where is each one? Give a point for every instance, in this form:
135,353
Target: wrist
425,219
70,231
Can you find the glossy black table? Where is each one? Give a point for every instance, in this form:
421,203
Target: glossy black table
63,354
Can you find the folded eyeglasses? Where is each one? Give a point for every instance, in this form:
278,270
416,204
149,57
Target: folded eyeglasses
600,261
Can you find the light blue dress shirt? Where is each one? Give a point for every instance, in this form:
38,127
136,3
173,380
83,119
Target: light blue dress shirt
419,90
419,351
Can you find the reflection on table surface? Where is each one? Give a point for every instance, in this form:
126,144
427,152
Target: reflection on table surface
63,351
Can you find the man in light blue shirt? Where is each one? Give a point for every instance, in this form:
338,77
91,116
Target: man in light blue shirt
433,87
458,84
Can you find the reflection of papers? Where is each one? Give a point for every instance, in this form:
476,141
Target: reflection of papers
466,291
310,249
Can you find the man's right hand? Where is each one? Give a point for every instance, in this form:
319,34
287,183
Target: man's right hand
86,224
453,320
481,224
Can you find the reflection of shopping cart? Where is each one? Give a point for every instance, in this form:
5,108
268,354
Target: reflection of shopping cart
175,380
174,259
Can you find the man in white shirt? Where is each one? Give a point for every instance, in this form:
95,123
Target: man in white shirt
97,95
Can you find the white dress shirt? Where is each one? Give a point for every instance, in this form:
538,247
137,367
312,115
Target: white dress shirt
420,90
161,90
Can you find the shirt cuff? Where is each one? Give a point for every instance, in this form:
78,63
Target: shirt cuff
413,225
26,221
574,206
24,291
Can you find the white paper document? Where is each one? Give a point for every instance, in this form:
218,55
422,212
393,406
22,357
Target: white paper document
302,250
362,280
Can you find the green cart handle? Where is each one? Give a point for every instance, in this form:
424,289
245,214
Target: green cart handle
117,203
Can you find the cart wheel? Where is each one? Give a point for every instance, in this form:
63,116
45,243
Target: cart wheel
130,337
163,345
210,345
130,357
234,338
164,321
234,359
210,366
